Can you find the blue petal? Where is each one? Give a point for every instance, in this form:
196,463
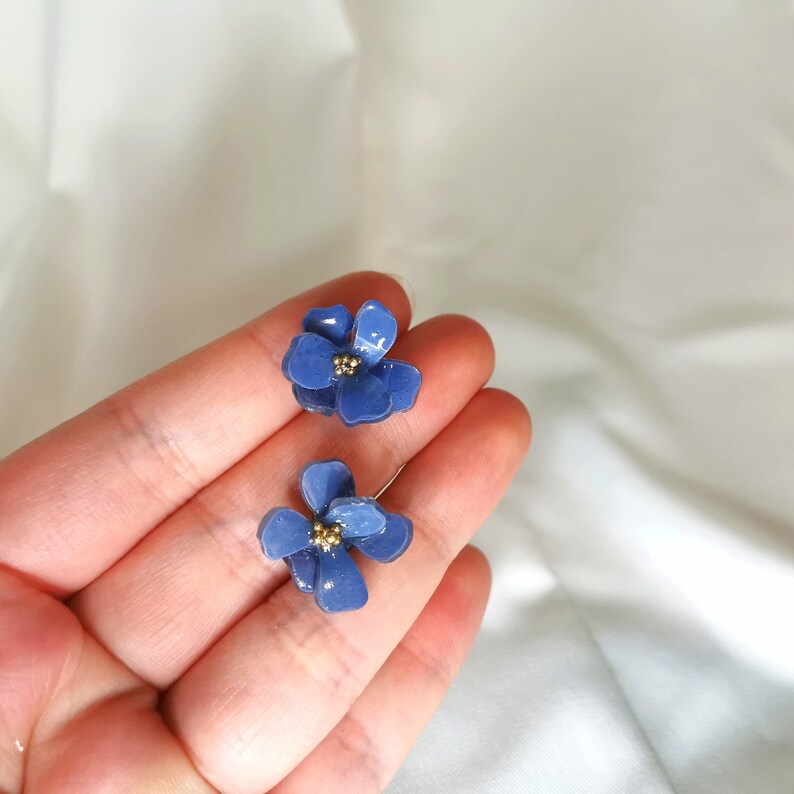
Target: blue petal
362,398
283,532
401,379
374,332
340,585
388,544
358,516
318,401
324,481
334,323
310,362
288,355
303,567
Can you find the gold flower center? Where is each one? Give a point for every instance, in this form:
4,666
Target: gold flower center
324,537
346,364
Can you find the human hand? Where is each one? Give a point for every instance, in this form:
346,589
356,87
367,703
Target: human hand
146,644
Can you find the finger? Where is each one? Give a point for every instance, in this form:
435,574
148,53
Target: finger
363,752
74,719
119,746
264,696
160,607
36,641
78,498
103,733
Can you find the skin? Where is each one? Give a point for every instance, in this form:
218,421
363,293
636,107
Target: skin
148,645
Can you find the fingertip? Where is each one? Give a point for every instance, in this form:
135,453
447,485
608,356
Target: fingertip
476,565
459,601
471,573
460,339
515,421
472,339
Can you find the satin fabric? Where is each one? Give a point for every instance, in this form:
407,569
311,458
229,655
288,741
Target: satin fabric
608,187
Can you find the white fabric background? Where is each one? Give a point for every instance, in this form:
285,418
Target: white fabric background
608,187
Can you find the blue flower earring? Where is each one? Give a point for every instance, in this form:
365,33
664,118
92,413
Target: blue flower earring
337,365
316,550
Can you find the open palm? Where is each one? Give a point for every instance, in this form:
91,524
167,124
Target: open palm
146,644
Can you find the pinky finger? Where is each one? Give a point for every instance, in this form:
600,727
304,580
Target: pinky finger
365,750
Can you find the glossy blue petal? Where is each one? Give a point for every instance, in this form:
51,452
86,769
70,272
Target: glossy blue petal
303,567
334,323
374,332
358,516
340,585
310,362
318,401
323,481
362,398
288,355
283,532
402,381
388,544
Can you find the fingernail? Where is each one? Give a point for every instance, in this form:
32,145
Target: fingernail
406,285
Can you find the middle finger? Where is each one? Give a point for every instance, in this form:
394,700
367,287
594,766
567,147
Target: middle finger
160,607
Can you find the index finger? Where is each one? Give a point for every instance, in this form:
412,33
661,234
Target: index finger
77,499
